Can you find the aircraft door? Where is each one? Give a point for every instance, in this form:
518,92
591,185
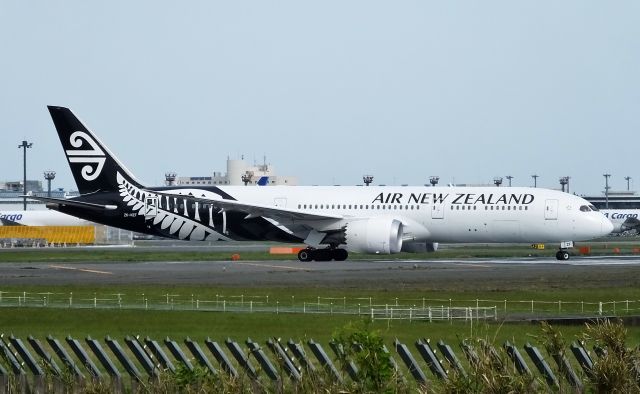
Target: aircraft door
280,202
437,211
150,207
551,210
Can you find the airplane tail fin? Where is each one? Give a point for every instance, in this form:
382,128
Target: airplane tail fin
93,166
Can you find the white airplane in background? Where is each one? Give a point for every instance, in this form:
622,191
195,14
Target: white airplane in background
331,220
623,219
38,218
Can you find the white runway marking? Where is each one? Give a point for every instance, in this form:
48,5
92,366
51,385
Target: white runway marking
273,266
61,267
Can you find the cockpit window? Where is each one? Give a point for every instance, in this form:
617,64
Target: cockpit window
593,208
585,208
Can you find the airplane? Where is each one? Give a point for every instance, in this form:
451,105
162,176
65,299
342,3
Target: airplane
331,220
623,219
38,218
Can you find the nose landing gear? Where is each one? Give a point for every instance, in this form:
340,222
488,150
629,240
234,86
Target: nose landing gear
309,254
563,253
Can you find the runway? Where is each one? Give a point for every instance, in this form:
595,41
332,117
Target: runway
459,274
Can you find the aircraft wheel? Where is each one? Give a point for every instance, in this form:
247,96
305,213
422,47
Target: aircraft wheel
562,255
340,254
323,255
305,255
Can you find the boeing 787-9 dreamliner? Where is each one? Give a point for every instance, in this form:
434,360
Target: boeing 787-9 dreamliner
331,220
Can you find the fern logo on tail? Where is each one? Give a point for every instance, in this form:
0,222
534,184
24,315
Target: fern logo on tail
94,157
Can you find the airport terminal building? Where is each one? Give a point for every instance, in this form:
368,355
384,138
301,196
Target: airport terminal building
238,173
616,200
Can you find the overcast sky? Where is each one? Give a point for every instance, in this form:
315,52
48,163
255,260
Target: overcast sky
330,90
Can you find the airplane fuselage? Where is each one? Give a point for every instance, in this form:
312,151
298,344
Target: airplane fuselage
434,214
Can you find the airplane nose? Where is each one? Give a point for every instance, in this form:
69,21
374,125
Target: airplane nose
606,225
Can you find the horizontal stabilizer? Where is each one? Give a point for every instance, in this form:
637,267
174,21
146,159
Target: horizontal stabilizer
74,203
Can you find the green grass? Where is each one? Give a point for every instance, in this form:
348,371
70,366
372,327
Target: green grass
41,322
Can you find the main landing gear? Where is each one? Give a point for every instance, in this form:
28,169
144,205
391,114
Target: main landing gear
309,254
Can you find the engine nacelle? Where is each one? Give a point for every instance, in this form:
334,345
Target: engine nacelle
374,235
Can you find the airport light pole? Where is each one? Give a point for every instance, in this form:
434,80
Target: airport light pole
49,176
509,177
433,180
367,179
627,178
24,146
497,181
606,189
564,181
535,180
246,178
170,178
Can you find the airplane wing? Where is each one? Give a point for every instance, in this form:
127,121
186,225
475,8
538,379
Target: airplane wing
256,210
73,203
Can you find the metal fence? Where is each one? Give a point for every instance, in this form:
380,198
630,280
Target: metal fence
395,308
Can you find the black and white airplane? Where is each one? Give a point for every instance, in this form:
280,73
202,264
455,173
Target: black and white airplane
330,220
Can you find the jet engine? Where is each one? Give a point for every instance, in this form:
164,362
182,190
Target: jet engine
374,235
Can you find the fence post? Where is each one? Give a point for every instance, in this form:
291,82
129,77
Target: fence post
600,308
505,307
627,306
251,306
559,306
582,306
277,307
531,306
224,305
70,299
